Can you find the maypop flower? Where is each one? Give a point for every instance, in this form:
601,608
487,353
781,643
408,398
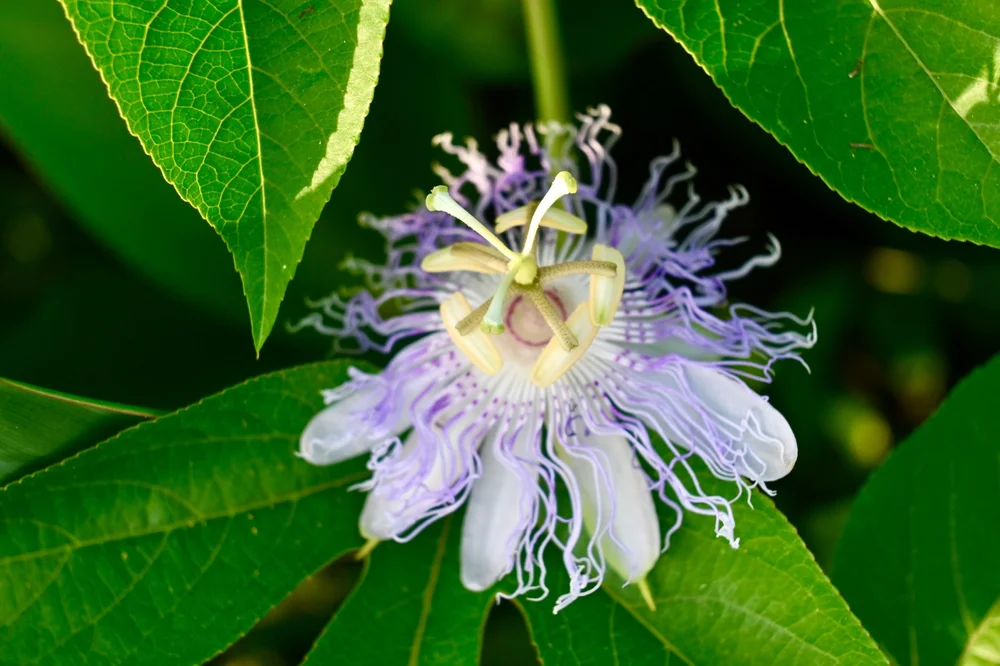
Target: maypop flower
557,372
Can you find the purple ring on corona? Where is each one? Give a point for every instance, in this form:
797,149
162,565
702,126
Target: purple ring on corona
560,372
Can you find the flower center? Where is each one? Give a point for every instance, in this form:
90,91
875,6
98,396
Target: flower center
523,282
527,325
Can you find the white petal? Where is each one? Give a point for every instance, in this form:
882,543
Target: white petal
427,469
499,511
361,421
769,436
616,495
338,432
389,511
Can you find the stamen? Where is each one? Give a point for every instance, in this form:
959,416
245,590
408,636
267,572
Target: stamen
493,321
472,257
601,268
440,200
476,346
555,218
471,321
563,184
554,361
484,254
606,292
548,311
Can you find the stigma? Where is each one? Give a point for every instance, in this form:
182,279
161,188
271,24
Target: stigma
523,283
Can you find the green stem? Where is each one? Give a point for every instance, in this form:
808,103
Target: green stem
548,72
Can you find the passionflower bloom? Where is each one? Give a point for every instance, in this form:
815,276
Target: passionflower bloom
560,362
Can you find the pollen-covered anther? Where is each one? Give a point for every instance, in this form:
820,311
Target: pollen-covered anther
555,360
602,268
606,291
476,346
554,218
474,257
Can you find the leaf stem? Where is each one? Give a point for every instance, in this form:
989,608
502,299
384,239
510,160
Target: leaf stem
548,71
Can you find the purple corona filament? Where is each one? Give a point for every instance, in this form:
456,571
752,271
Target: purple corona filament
558,426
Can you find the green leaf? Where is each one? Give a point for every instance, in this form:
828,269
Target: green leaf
893,103
917,560
97,169
766,603
409,608
166,543
38,425
250,108
593,631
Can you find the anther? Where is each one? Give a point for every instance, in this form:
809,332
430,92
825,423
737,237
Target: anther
471,322
601,268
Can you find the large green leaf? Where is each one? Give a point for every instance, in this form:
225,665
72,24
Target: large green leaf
592,631
164,544
37,425
765,603
98,170
250,108
893,103
409,608
917,561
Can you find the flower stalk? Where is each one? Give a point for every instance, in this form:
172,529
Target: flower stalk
548,71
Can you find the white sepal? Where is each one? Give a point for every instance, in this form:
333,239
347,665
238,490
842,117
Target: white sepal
617,503
500,509
759,426
345,429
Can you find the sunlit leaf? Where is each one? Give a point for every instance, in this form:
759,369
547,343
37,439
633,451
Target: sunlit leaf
895,103
917,561
164,544
38,425
250,108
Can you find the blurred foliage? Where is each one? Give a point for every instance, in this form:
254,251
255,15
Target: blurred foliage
917,561
39,426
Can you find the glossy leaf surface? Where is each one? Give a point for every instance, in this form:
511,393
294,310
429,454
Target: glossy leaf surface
893,103
164,544
250,108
